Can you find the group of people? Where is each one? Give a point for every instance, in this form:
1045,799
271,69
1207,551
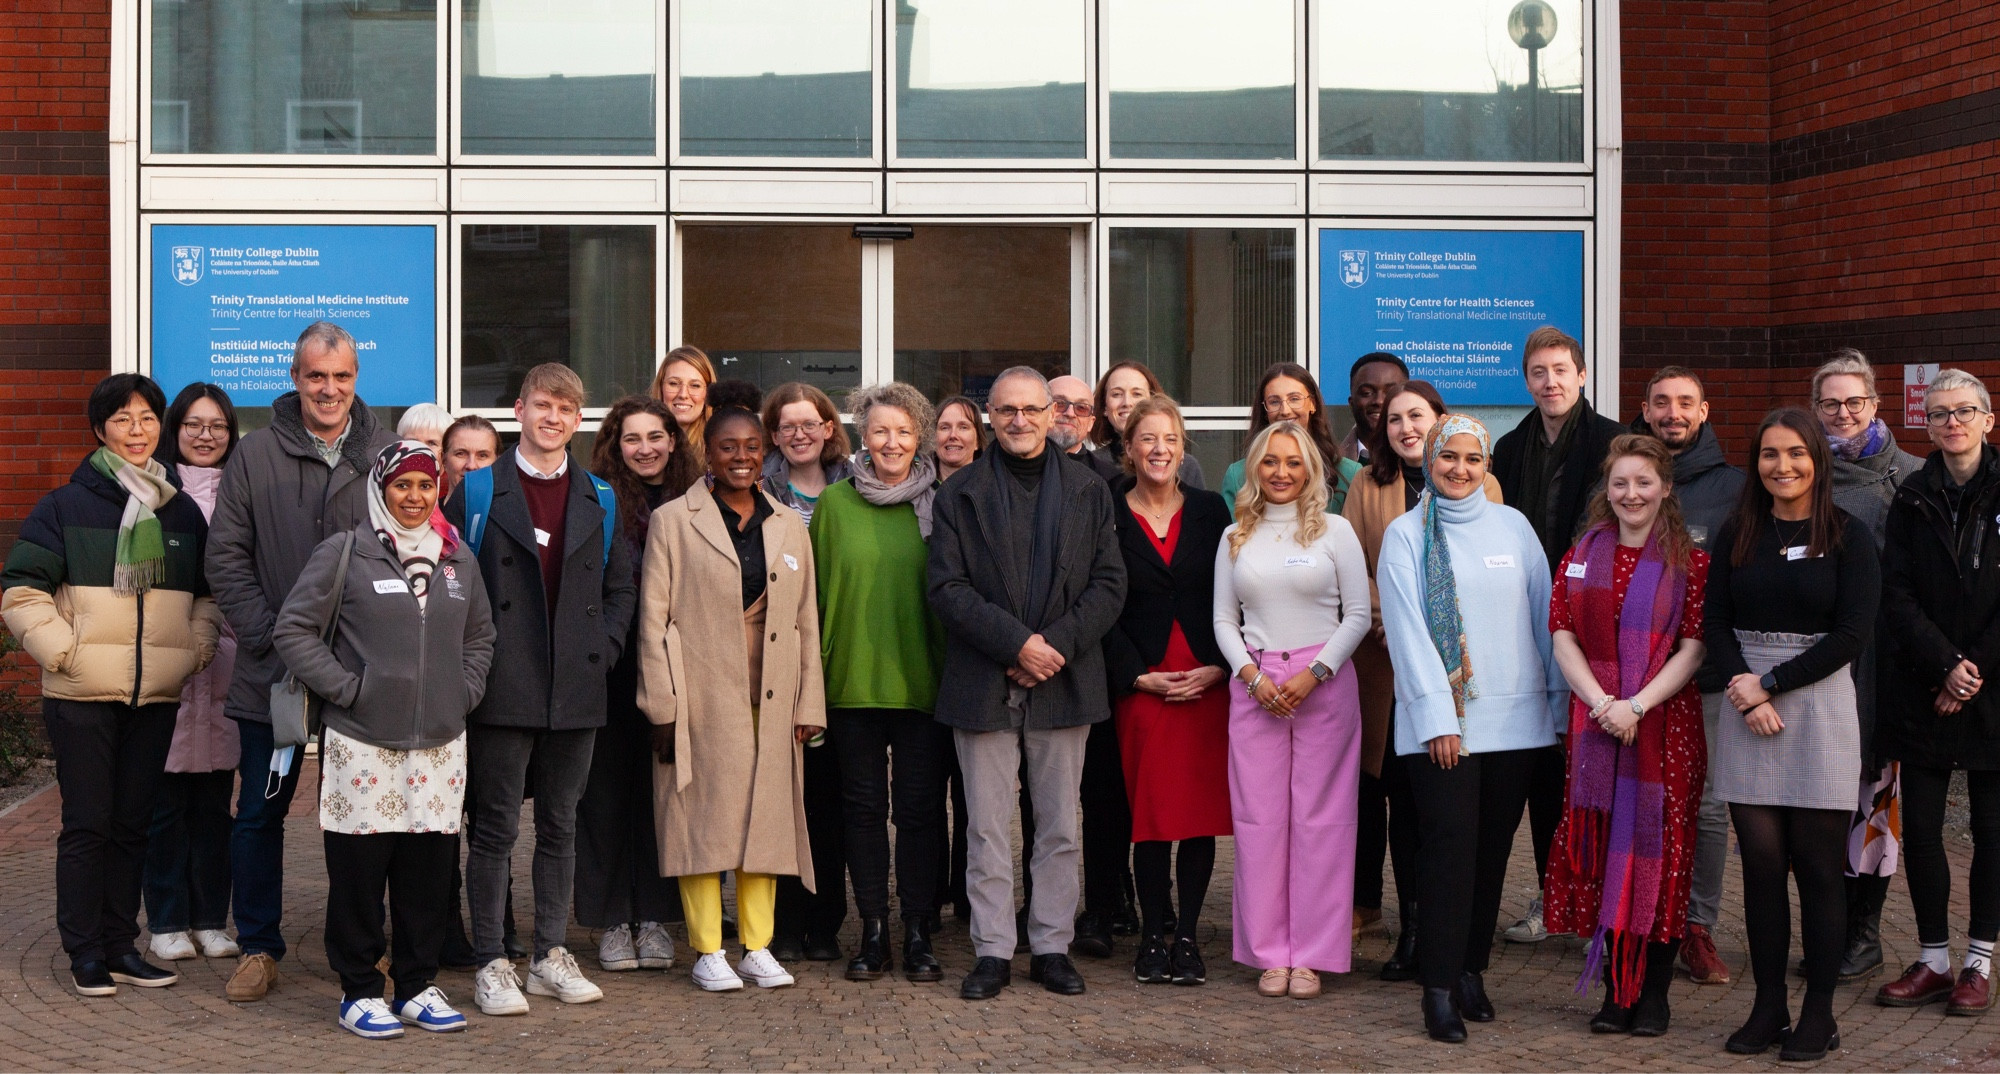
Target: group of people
728,647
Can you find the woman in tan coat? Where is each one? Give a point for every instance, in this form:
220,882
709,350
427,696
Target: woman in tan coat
730,679
1379,494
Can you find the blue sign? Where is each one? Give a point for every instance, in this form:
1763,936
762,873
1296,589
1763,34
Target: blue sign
1454,305
229,301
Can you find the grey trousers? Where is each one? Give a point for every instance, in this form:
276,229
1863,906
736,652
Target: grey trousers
991,761
1711,841
500,762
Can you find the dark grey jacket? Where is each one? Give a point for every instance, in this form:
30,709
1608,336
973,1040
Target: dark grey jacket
980,600
1864,489
398,676
278,501
548,671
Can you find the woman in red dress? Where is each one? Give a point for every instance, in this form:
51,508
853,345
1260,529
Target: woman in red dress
1626,613
1167,674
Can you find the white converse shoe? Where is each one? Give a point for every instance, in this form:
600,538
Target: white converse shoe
655,947
1530,929
712,973
615,952
215,943
556,975
497,991
759,967
172,946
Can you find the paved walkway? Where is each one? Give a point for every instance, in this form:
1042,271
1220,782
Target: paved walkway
659,1021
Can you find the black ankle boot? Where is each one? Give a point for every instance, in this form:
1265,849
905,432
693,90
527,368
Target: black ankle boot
1863,957
919,964
1651,1017
872,960
1402,964
1769,1024
1441,1018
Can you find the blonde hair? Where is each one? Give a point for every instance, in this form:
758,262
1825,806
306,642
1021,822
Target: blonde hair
1250,501
554,378
696,357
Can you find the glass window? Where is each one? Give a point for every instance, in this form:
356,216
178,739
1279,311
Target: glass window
1001,79
772,303
1207,309
305,76
972,301
558,77
1217,446
1200,80
776,78
583,295
1446,80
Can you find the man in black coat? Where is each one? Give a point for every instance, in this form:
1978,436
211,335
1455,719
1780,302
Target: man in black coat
1026,578
1546,468
562,599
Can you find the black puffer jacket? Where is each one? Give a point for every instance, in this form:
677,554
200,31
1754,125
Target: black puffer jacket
1941,598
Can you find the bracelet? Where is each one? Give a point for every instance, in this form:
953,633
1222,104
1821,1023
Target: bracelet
1251,687
1604,703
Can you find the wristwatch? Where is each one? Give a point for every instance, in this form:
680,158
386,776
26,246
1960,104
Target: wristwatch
1320,671
1769,682
1638,709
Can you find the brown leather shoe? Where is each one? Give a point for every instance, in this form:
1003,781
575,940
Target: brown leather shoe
1274,982
1917,986
1304,983
1973,994
254,976
1704,966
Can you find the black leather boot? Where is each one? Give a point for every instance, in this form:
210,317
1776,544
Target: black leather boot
1651,1017
872,960
1441,1018
1863,958
1402,964
1472,1001
1611,1018
919,964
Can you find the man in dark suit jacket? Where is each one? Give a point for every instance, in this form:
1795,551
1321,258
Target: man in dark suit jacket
1026,578
562,606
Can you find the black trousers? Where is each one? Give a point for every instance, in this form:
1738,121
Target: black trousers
892,767
1388,829
1545,804
187,852
1930,869
109,760
1466,818
1107,822
799,912
416,869
618,878
951,862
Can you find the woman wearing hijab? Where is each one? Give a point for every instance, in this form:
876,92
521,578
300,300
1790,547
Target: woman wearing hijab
1470,719
412,641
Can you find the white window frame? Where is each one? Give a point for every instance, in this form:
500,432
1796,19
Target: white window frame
1086,159
676,158
1296,162
460,221
656,159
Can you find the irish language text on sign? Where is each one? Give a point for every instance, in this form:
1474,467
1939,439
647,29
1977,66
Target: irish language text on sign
229,301
1454,305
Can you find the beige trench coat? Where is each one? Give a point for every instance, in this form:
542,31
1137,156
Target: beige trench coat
734,798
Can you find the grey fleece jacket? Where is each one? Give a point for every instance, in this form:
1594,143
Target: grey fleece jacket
398,676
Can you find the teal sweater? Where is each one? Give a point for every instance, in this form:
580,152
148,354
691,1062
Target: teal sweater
879,643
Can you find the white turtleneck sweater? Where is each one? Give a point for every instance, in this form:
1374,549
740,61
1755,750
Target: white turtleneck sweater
1278,594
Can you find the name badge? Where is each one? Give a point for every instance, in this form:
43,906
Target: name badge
542,537
1796,552
1299,561
1576,570
1494,563
391,585
791,561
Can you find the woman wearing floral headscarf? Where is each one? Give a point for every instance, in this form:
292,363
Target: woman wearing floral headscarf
1469,716
413,638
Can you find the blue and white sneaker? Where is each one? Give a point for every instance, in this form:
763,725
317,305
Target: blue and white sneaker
369,1017
429,1011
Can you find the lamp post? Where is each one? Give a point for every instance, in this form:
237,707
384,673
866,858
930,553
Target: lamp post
1532,25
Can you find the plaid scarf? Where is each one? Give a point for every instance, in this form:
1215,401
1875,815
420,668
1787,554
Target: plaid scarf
1616,813
141,554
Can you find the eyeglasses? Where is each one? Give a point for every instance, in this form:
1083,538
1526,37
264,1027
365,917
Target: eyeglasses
195,430
1009,413
124,422
789,431
1081,410
1275,403
1853,405
1964,415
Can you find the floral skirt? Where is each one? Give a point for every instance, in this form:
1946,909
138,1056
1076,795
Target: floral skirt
366,790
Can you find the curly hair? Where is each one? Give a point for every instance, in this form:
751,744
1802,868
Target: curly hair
607,460
899,396
1250,501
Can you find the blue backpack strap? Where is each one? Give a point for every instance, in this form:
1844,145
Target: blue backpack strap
478,504
607,499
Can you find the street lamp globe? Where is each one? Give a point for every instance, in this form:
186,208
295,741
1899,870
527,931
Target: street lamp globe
1532,24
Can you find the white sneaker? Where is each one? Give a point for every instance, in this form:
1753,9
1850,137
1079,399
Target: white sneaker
497,991
1531,928
172,946
615,952
429,1011
656,948
215,943
759,967
556,975
369,1017
712,973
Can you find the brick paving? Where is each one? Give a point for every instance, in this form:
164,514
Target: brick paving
653,1020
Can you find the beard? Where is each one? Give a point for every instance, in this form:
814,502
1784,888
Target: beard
1065,437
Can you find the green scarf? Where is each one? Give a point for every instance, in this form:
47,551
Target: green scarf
142,547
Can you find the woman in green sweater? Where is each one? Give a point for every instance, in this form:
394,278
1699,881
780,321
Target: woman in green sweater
882,651
1288,392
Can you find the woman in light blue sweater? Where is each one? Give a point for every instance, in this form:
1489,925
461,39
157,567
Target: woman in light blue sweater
1471,716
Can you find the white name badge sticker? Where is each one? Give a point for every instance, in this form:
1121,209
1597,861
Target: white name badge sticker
1796,552
542,537
1299,561
391,585
791,561
1576,570
1494,563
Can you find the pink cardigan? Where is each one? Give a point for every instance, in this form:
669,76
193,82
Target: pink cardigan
205,739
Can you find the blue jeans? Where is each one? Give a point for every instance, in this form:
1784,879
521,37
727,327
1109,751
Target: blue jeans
257,844
187,856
